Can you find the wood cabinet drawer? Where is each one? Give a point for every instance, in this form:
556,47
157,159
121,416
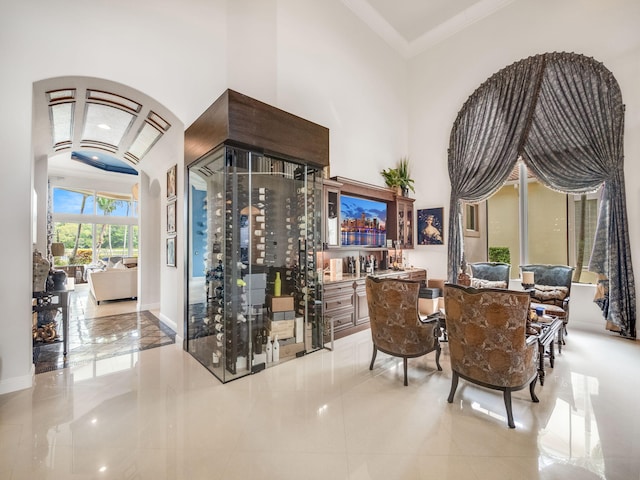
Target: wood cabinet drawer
337,302
338,289
342,319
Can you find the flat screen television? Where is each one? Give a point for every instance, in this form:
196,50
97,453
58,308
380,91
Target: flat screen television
363,222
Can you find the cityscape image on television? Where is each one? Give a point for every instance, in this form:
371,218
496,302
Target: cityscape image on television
363,222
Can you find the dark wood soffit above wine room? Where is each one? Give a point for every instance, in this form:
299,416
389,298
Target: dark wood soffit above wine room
244,121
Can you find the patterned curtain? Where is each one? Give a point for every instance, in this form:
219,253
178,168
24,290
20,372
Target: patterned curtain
570,134
485,142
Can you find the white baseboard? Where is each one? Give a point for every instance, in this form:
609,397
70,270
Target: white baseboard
14,384
148,306
169,323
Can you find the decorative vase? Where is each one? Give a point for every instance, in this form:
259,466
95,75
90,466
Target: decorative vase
463,277
59,278
40,272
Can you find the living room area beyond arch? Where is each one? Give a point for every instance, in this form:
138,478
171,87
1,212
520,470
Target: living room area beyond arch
147,140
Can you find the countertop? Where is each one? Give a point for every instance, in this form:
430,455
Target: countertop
349,277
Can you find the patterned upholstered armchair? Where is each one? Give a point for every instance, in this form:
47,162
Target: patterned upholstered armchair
552,286
487,340
490,274
396,327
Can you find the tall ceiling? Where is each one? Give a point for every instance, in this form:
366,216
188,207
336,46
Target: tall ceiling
81,126
412,26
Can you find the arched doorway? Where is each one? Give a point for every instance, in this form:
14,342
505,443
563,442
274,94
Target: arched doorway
113,127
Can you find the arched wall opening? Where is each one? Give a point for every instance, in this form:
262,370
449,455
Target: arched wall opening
150,141
562,113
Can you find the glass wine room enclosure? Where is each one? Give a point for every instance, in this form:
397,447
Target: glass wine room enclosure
254,241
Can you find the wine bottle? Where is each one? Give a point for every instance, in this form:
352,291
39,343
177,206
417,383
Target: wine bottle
269,350
277,286
276,350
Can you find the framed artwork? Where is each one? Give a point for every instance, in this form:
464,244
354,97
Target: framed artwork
171,217
431,226
172,181
171,252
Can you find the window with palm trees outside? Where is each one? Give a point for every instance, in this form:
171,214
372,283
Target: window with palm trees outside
93,225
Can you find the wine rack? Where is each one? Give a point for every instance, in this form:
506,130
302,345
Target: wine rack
261,220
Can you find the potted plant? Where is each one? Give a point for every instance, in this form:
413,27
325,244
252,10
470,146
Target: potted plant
399,177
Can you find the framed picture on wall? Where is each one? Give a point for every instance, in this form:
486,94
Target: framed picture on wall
171,252
171,217
172,181
431,226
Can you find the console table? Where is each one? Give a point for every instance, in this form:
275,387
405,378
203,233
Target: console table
54,300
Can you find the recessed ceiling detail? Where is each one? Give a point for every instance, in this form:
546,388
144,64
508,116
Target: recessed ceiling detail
103,162
60,95
113,99
106,122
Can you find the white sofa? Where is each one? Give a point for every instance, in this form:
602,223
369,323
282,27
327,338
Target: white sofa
113,283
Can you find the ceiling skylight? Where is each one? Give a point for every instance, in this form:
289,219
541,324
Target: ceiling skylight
144,141
61,122
117,121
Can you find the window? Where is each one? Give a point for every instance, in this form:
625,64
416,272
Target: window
471,220
94,225
549,229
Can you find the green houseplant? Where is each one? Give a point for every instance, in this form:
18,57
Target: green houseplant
399,177
499,254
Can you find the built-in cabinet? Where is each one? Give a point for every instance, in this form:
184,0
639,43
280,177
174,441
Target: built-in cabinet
401,221
399,218
344,296
345,301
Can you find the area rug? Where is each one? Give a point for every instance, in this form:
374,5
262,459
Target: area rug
92,339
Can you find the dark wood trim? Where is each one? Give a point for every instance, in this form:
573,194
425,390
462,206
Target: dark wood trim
355,187
244,121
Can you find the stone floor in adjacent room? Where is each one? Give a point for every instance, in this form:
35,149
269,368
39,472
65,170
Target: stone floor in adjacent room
158,414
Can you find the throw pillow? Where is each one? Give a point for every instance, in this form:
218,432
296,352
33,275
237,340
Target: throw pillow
481,283
547,292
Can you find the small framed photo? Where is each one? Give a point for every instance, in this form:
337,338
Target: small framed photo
171,252
171,217
431,226
172,181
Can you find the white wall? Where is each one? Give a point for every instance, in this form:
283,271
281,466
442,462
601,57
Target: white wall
442,79
314,59
335,71
175,53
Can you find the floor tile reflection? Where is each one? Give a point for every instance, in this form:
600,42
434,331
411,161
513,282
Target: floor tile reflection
157,413
106,335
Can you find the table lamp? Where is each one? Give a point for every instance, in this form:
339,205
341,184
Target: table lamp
59,277
57,249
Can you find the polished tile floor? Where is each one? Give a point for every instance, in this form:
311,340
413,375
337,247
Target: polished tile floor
97,332
158,414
